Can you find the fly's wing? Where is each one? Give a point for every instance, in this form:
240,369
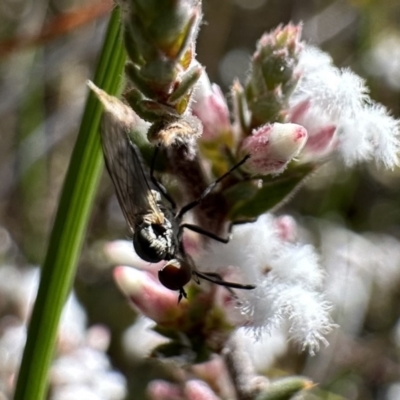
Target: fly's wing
126,168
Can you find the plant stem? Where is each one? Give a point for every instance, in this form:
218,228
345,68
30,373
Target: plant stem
70,226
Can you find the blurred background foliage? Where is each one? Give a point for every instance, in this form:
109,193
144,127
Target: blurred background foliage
48,49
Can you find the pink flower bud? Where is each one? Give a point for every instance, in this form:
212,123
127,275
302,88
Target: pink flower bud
286,228
162,390
272,146
148,295
198,390
120,252
210,107
320,144
214,373
322,138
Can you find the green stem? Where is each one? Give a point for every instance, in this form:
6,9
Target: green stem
70,226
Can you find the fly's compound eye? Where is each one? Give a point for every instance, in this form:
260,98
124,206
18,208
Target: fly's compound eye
175,274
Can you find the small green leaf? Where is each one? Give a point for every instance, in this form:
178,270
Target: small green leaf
247,201
187,83
131,47
193,353
169,333
284,389
240,106
172,349
134,74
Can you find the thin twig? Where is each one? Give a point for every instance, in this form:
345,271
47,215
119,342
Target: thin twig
246,383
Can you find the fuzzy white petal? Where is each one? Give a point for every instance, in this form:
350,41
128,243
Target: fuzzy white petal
339,98
287,276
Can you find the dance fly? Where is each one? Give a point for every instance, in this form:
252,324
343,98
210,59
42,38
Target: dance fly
156,228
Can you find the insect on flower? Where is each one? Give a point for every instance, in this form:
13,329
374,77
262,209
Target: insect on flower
157,229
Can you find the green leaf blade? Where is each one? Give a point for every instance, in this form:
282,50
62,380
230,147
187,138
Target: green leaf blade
69,228
248,202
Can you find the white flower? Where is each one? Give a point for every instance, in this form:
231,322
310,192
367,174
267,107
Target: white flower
362,271
140,339
81,369
265,351
393,391
383,59
334,106
374,135
288,279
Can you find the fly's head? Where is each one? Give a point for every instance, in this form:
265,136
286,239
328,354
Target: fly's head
154,241
175,275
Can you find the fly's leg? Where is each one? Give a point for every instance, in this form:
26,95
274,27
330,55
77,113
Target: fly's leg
194,203
215,278
182,294
209,188
201,231
196,277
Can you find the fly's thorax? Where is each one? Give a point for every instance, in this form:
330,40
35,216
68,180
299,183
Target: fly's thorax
154,241
154,199
175,274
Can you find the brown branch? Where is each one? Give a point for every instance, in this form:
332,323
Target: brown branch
246,383
58,26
